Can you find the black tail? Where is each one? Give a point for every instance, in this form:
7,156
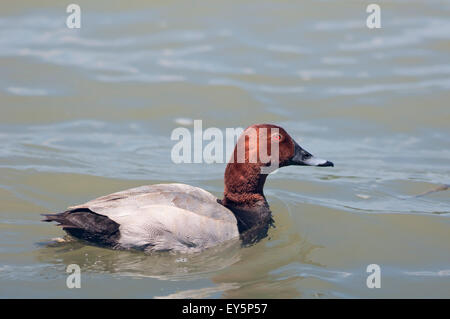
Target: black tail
87,225
60,218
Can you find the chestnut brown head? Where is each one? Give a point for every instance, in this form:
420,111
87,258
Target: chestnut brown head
260,149
271,145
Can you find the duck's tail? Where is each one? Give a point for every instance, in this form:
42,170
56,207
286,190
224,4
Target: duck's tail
85,224
60,218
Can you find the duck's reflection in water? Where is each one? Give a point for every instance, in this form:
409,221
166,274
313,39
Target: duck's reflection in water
235,271
163,266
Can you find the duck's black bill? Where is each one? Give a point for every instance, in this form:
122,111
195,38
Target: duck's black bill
327,163
303,157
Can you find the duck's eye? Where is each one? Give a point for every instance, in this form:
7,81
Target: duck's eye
277,137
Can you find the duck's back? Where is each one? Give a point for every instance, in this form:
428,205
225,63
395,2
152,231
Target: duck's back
157,217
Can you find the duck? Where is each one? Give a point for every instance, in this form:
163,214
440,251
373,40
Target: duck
182,218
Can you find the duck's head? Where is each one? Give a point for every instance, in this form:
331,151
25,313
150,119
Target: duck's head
270,145
260,149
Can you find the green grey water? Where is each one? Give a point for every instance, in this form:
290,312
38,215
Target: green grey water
86,112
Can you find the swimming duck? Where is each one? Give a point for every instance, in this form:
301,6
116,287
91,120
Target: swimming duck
184,218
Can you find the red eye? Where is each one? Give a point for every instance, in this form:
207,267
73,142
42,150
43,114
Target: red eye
277,137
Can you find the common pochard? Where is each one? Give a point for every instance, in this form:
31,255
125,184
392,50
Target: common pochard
184,218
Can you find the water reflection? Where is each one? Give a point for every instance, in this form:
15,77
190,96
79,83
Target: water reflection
234,270
163,266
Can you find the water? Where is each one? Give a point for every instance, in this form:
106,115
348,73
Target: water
88,112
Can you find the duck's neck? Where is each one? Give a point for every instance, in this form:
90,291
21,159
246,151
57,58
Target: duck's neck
244,196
